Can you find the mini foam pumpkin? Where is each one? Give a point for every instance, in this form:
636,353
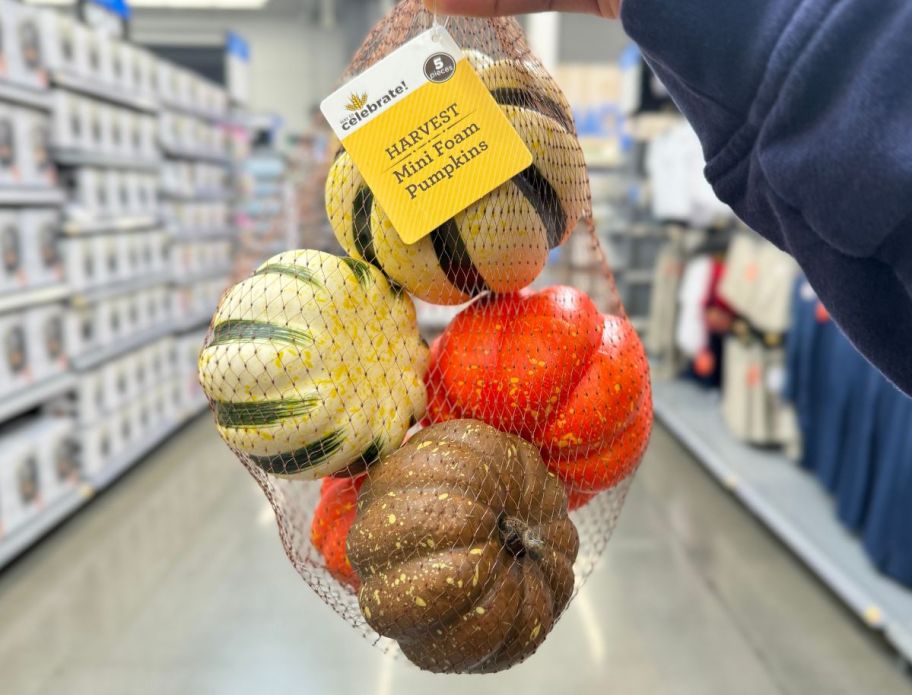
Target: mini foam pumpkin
464,548
549,367
333,517
314,365
501,241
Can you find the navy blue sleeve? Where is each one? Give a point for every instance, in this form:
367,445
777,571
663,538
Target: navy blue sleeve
804,109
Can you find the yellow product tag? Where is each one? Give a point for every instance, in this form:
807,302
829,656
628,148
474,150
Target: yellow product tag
425,133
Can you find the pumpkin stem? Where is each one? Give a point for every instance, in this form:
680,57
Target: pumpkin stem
518,537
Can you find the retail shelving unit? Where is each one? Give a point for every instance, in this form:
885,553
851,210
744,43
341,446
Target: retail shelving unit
93,188
196,191
792,504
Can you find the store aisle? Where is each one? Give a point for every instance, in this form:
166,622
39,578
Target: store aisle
175,582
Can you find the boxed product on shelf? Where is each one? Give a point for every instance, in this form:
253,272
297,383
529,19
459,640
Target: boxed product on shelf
15,354
113,193
97,445
144,66
42,246
121,66
183,87
98,54
13,269
90,396
147,194
110,320
119,382
46,335
166,80
149,137
20,475
134,321
83,330
33,134
68,126
80,261
119,130
94,140
111,266
62,42
59,461
136,136
86,194
127,253
10,163
22,38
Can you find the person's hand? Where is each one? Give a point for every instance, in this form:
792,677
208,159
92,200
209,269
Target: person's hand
493,8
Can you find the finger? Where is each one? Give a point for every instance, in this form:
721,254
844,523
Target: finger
496,8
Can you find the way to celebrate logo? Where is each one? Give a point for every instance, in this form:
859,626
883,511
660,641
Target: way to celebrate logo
357,102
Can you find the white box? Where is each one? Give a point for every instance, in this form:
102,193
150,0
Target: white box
23,46
98,50
96,139
119,384
113,194
149,137
86,193
167,80
34,155
135,138
183,87
106,120
13,264
109,321
147,194
60,42
60,471
108,251
91,396
42,245
16,367
97,447
20,476
119,129
45,330
132,318
143,67
121,75
10,162
81,261
168,125
67,128
125,254
125,431
83,330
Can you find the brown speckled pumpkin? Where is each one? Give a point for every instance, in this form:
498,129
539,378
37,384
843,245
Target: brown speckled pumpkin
464,548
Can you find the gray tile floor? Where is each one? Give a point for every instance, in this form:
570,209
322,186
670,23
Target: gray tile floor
174,582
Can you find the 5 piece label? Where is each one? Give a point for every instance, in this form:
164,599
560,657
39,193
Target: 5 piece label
425,133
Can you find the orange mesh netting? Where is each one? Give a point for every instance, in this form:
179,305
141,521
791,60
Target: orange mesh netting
528,413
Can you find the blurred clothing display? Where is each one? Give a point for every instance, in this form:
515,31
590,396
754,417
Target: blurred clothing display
857,431
674,163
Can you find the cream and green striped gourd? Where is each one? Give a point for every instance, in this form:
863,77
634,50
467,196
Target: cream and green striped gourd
314,365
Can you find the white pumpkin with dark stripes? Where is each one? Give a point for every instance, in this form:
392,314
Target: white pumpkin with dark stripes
500,242
314,365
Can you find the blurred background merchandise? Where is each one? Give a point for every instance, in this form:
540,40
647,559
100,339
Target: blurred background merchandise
152,154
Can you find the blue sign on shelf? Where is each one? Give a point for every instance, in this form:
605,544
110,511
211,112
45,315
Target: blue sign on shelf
237,46
119,8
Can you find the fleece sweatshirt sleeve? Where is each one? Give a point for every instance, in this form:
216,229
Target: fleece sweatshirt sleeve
804,110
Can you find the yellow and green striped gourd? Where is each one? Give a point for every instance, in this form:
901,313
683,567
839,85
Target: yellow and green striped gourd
314,365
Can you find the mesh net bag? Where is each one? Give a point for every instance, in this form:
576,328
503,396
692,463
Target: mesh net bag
446,493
